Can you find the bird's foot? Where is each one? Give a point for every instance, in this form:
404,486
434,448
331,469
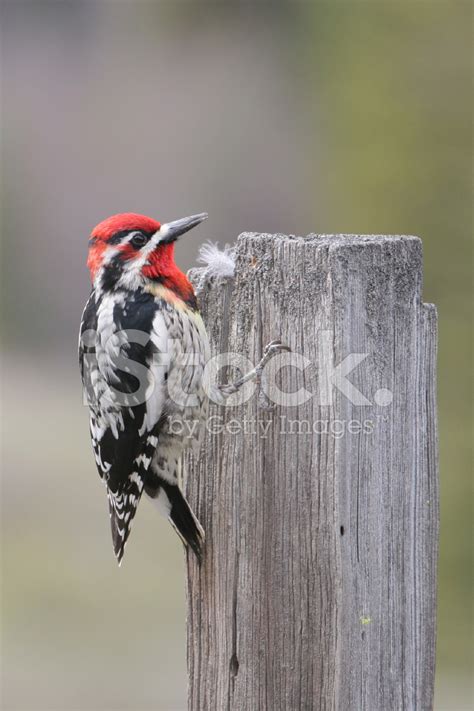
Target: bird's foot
270,350
256,374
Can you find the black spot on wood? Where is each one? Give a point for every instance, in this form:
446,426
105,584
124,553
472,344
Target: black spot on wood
234,665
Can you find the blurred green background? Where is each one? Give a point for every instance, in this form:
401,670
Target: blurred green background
274,116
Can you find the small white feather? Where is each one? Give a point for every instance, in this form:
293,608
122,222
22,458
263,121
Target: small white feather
218,262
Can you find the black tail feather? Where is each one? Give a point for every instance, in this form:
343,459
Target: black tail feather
122,509
183,519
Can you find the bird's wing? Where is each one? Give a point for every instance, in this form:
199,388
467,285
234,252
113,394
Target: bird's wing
124,370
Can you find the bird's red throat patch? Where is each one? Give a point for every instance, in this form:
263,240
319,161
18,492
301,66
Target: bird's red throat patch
162,268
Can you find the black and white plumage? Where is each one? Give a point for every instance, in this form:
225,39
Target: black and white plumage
142,350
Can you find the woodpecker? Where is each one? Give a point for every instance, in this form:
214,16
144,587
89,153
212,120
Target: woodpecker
143,349
140,331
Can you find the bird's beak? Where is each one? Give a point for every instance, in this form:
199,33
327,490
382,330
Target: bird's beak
170,231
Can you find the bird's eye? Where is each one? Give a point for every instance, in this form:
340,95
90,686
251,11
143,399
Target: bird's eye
139,240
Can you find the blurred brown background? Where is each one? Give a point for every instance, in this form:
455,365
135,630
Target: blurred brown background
274,116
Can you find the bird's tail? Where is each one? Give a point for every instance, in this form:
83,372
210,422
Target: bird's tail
122,509
180,515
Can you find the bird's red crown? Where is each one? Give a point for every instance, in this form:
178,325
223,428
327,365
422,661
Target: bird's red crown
127,247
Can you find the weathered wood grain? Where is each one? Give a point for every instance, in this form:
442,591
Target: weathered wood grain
318,587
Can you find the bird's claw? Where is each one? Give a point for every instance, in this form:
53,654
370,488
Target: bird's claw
274,347
270,350
256,374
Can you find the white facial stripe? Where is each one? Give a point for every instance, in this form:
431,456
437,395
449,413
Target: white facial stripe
131,275
114,249
109,254
163,231
145,251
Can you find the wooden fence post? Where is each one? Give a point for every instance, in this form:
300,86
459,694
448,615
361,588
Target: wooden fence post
318,587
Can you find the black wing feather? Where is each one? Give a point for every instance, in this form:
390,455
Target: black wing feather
122,461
